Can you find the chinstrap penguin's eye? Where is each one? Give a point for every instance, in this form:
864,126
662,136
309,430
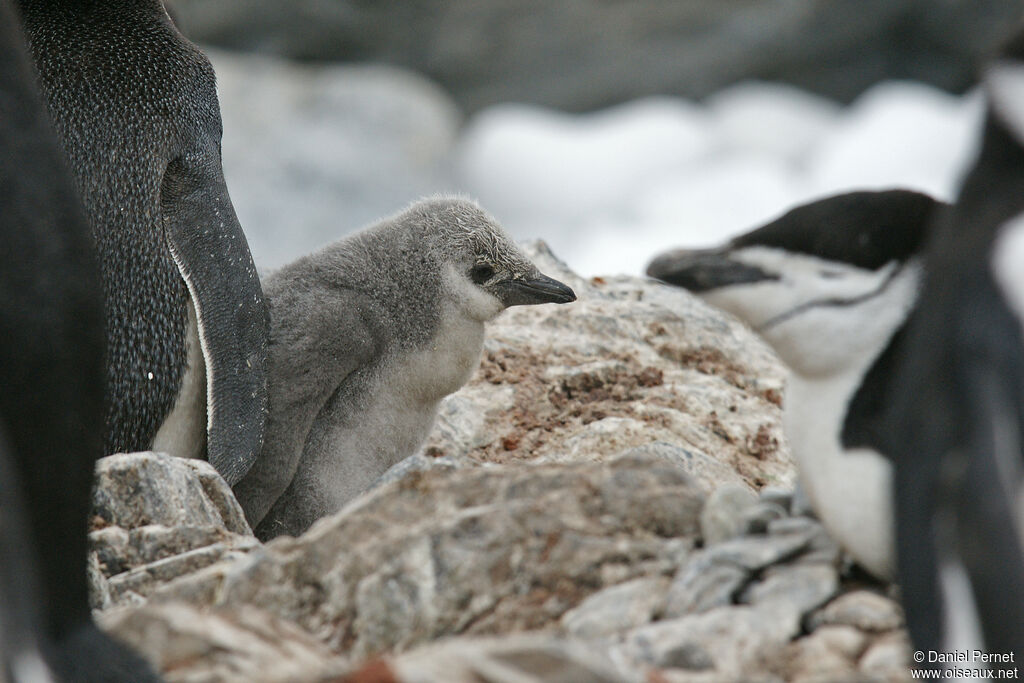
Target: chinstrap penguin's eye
481,273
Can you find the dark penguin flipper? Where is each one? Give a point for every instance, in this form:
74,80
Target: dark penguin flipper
991,540
956,422
213,257
20,620
88,655
51,397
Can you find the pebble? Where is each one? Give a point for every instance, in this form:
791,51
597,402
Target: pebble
862,609
724,513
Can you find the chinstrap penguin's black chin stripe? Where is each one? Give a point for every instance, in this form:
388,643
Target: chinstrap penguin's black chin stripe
833,302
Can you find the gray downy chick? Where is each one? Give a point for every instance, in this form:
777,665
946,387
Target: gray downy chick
367,336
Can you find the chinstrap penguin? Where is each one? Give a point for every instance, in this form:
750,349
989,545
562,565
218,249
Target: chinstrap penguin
51,399
956,430
829,286
135,108
367,336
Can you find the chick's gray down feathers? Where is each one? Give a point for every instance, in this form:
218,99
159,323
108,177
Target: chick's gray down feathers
367,336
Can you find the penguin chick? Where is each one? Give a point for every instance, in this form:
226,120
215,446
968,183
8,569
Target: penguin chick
957,415
367,336
829,286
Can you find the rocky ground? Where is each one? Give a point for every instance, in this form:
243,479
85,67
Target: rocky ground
585,54
609,499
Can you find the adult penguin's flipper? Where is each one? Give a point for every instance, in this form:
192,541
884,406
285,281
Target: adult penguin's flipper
212,254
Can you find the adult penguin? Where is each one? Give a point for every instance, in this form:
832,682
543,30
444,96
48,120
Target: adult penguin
135,108
956,428
51,399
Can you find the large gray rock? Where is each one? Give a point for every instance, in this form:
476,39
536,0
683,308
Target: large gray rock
470,551
244,644
137,489
586,53
157,517
514,659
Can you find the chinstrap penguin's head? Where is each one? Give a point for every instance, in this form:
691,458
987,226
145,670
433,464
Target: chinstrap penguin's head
483,270
825,284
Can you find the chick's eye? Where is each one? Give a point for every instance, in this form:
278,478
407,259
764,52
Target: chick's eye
481,273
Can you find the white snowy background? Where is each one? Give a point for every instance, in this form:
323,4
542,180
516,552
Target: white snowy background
312,153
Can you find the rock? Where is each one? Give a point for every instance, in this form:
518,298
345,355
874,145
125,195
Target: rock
801,504
617,608
863,609
828,653
724,640
704,585
223,646
820,548
757,518
157,517
888,657
706,470
474,551
99,588
713,577
777,495
724,515
801,587
515,659
631,364
138,489
754,553
587,53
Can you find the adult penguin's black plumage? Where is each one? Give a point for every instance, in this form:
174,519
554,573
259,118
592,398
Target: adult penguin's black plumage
51,399
135,108
957,416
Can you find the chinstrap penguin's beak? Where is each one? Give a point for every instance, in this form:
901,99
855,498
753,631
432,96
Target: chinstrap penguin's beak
703,270
534,289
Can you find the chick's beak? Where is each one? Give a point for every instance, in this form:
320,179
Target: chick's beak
534,289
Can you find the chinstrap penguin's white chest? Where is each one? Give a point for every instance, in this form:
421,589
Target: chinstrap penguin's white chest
850,487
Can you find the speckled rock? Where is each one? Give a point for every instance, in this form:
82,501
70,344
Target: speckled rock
136,489
865,610
632,363
617,608
155,518
724,513
513,659
470,551
245,644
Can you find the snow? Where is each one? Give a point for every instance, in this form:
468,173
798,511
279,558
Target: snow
312,152
610,189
